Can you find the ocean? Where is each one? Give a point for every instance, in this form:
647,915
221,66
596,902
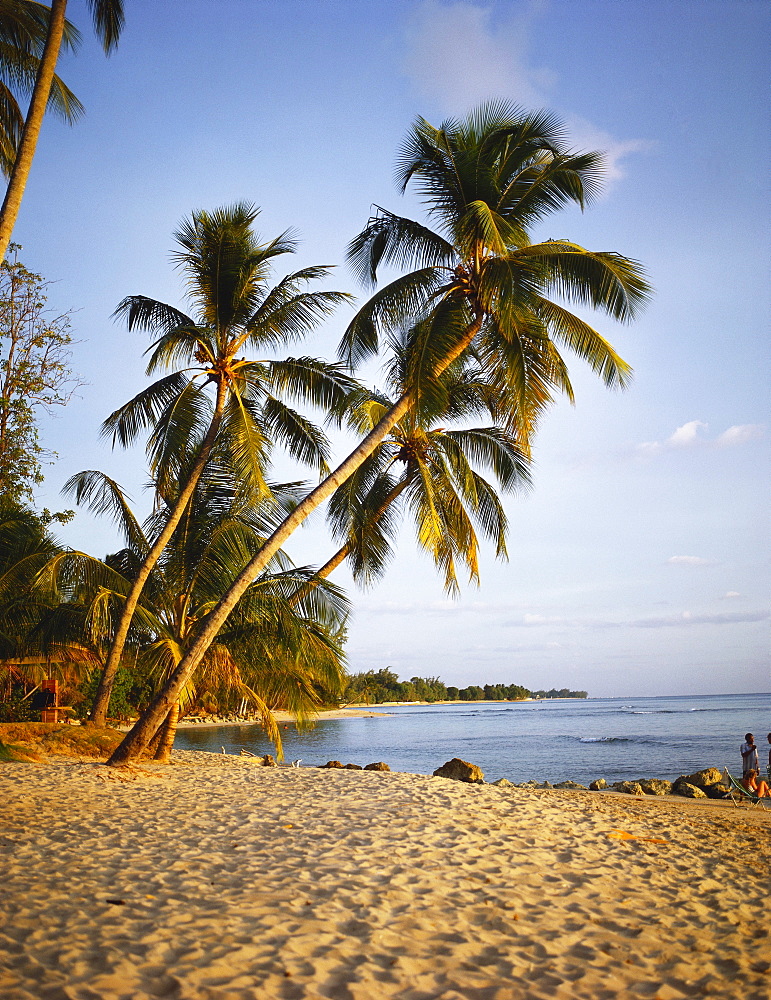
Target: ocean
581,739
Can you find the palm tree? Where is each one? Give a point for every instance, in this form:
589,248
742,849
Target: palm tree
480,289
23,31
273,651
227,271
108,21
436,480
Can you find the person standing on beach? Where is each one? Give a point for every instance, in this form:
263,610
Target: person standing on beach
768,769
749,755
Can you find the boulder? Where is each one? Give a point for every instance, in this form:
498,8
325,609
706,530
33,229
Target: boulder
377,766
687,790
718,791
655,786
629,787
332,763
598,785
503,783
703,779
460,770
546,784
353,767
570,784
268,760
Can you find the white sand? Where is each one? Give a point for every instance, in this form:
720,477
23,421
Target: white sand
235,881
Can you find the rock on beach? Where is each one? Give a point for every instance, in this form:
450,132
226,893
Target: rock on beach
460,770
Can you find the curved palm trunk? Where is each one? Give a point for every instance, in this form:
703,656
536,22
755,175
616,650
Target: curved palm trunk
168,732
102,700
136,740
154,743
342,553
32,125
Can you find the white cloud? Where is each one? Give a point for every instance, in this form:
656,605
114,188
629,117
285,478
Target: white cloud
584,135
690,435
459,58
732,594
687,435
689,561
740,434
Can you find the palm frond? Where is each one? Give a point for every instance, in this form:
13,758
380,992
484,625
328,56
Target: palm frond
300,436
102,495
390,239
398,304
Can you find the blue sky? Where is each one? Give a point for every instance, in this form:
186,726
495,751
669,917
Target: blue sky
639,563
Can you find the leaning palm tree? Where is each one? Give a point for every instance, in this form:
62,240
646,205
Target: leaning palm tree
218,392
108,22
478,287
23,32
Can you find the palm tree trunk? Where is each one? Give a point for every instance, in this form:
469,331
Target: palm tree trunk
342,553
32,125
98,714
136,740
168,732
154,743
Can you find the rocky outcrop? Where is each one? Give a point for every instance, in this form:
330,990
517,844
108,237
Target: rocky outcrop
703,779
688,790
644,786
332,763
503,783
377,766
655,786
460,770
629,787
353,767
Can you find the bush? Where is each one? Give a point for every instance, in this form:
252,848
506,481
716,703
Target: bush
130,694
16,709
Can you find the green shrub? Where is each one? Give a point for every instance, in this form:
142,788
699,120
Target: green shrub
16,709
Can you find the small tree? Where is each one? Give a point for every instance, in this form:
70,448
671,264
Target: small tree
34,373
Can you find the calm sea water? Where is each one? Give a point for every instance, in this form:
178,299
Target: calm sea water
611,738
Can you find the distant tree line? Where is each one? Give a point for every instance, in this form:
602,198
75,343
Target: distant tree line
376,687
562,693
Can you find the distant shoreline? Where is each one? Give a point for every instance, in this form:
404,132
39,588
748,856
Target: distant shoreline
360,711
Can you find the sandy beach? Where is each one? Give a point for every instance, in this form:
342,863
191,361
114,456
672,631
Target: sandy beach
217,879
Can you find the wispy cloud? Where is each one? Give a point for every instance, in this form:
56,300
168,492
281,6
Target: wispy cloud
459,55
689,561
510,617
685,619
693,435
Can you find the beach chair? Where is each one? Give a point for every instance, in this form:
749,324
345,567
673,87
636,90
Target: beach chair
738,789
